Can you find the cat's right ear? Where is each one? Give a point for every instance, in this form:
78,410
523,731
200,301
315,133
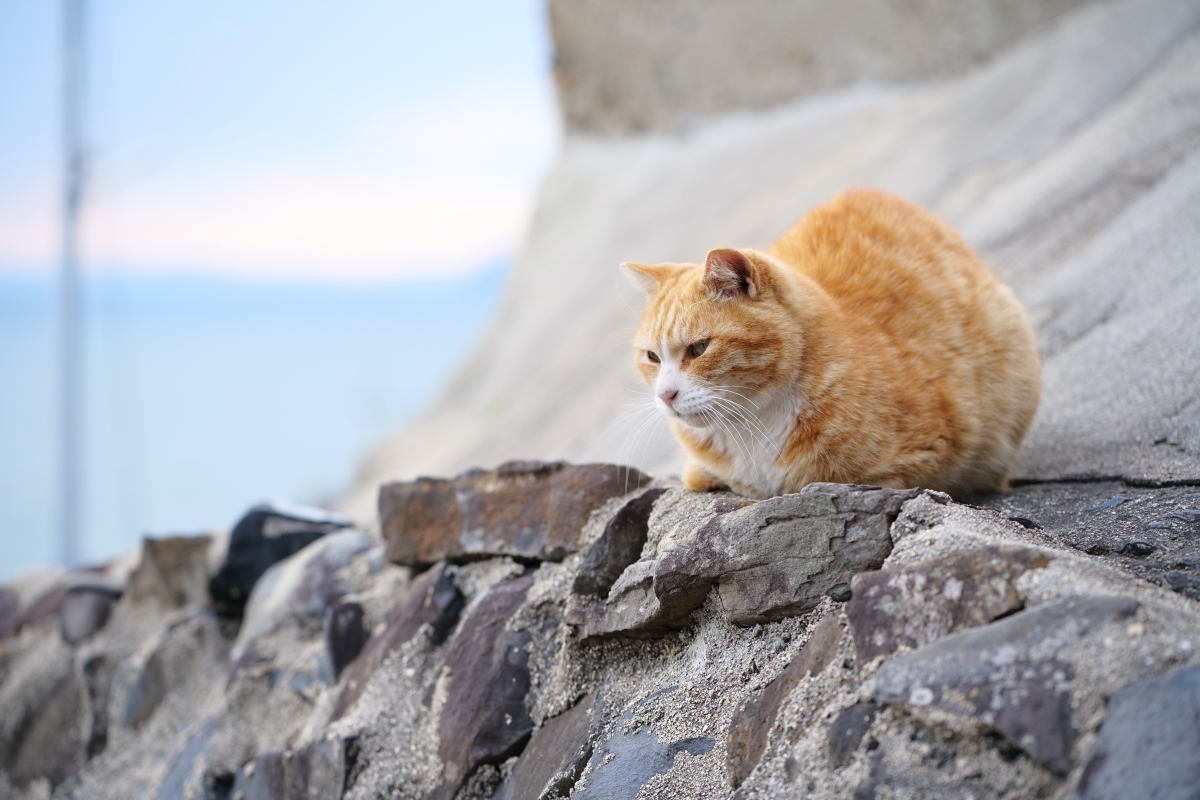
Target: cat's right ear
729,275
644,276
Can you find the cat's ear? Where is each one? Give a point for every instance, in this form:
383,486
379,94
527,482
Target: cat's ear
729,275
644,276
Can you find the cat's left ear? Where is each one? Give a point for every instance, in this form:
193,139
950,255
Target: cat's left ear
644,276
729,275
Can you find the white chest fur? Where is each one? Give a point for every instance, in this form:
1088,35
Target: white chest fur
752,434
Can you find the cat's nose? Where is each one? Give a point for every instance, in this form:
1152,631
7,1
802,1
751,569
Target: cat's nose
668,396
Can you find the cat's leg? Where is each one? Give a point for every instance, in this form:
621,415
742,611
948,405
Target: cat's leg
699,479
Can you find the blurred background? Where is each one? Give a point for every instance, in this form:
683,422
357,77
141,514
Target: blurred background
296,217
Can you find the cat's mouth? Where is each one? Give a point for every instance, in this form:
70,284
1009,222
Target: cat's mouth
692,417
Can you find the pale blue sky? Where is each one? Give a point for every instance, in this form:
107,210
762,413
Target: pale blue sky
315,139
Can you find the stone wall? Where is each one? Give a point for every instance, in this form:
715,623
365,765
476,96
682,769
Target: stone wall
550,630
627,66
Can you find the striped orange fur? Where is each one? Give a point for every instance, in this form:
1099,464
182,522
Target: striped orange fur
868,345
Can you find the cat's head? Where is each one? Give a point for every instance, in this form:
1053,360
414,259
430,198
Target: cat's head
713,335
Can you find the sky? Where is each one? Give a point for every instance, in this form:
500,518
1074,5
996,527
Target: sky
297,219
346,141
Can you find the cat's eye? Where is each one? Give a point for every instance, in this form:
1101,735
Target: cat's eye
653,356
698,348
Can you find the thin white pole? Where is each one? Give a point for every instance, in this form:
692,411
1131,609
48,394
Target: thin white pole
69,328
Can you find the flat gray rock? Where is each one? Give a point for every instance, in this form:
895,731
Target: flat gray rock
915,604
1013,675
769,560
1148,744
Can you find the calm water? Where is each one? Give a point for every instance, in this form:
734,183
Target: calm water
205,395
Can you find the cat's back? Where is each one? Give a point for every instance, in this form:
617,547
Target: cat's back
947,359
888,263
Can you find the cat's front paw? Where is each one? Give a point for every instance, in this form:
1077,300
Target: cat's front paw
699,479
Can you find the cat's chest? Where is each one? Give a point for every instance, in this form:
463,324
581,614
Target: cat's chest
752,445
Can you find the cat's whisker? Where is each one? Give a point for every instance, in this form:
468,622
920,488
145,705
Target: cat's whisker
751,421
730,430
739,430
642,427
728,390
627,416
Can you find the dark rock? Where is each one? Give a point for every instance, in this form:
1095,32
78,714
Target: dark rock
768,560
1184,582
619,546
1137,548
1148,744
303,585
846,731
262,779
187,771
97,673
1185,516
173,571
145,692
86,606
1111,502
268,533
840,593
51,737
915,604
345,634
556,754
1026,523
524,509
10,612
314,772
433,600
1014,674
622,764
752,722
484,719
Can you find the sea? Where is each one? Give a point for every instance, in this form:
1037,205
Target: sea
206,394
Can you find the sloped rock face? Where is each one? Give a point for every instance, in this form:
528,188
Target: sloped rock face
874,643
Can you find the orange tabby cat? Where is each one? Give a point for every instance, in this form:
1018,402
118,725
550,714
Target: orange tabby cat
868,345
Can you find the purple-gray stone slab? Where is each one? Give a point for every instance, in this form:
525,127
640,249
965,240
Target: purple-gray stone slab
484,719
556,754
345,634
433,600
85,610
1149,743
846,731
623,763
914,604
186,776
1014,674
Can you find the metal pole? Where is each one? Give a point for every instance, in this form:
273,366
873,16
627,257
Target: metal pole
69,332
